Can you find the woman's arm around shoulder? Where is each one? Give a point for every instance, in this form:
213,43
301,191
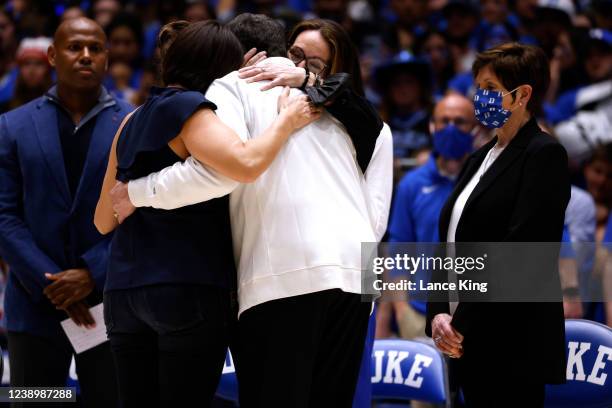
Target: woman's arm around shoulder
216,145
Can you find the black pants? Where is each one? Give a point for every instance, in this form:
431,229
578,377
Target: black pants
302,351
169,343
43,362
504,394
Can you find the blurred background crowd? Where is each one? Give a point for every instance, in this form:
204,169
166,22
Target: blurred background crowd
413,53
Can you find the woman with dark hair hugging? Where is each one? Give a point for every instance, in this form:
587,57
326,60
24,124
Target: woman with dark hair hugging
167,298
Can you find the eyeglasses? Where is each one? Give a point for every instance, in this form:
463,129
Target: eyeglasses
314,65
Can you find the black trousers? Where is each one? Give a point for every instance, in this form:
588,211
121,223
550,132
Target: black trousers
43,362
302,351
504,394
169,343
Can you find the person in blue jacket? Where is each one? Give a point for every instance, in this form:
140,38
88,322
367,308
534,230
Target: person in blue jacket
420,195
53,152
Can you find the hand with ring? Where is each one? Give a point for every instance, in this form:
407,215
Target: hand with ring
120,198
446,338
277,75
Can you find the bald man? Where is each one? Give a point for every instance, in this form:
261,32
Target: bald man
52,161
420,195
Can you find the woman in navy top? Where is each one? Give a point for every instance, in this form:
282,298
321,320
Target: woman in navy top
167,300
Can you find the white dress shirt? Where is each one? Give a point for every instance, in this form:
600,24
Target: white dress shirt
298,228
462,199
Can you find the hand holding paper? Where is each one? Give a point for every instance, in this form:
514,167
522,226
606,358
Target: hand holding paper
83,338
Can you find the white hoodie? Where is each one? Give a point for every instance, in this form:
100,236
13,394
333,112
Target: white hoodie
298,228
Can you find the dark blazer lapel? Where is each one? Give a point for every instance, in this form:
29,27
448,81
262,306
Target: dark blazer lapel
471,166
514,149
107,123
506,158
45,123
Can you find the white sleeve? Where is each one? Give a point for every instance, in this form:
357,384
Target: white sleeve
191,182
379,181
184,183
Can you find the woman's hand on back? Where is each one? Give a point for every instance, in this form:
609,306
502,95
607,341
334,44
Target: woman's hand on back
278,75
252,57
122,206
296,111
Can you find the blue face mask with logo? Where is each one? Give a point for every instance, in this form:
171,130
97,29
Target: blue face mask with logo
451,142
488,108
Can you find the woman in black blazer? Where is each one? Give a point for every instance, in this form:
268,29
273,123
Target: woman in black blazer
513,189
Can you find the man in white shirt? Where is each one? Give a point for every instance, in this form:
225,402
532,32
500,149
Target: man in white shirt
297,233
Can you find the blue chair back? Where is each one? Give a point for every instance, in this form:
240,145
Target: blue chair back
228,385
589,385
409,370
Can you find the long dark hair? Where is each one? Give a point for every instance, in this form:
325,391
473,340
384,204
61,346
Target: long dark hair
344,54
200,53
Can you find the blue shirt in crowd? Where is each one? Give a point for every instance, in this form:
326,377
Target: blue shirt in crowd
608,236
418,200
7,85
566,252
580,221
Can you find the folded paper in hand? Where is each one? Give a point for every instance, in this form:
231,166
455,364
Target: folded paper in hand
83,339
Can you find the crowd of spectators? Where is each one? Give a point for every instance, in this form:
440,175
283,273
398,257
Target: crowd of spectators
413,53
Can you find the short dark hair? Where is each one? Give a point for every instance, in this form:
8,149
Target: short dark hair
344,54
168,33
517,64
202,52
261,32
